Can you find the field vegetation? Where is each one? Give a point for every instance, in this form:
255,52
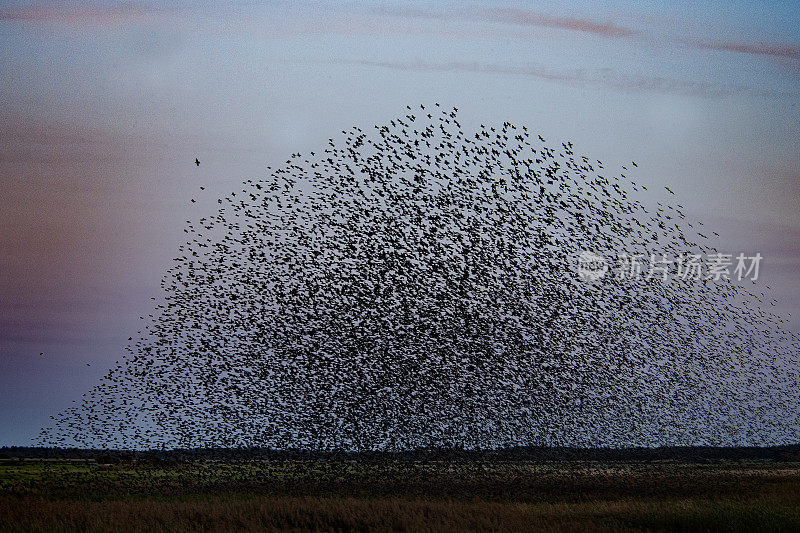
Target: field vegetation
119,493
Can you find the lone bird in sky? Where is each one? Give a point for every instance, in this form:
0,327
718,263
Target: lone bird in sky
196,161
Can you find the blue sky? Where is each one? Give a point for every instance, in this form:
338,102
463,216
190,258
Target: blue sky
104,107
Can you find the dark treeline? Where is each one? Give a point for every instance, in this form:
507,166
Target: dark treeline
687,454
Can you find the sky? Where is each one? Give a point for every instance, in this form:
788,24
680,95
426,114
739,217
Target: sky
104,107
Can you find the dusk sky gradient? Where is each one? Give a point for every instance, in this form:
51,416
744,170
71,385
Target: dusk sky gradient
104,107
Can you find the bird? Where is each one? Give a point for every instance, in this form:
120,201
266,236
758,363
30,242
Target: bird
196,161
413,286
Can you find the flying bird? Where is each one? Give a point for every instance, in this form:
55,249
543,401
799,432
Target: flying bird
414,285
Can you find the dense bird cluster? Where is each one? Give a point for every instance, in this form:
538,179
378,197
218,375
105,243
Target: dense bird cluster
414,286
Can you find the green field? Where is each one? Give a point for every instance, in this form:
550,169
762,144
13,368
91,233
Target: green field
314,495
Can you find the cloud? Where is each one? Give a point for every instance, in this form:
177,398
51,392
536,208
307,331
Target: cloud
79,15
763,49
527,18
514,16
326,20
530,18
579,78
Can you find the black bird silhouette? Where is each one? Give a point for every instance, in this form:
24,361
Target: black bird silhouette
415,286
196,161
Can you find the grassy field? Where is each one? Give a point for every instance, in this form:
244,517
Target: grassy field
317,495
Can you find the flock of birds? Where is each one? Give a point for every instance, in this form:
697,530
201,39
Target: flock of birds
414,286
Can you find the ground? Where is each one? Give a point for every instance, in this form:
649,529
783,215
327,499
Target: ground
411,495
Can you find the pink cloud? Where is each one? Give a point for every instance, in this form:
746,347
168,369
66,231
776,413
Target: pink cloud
520,17
83,15
764,49
530,18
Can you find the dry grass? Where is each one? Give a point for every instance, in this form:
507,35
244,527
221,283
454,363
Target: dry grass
396,514
638,498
